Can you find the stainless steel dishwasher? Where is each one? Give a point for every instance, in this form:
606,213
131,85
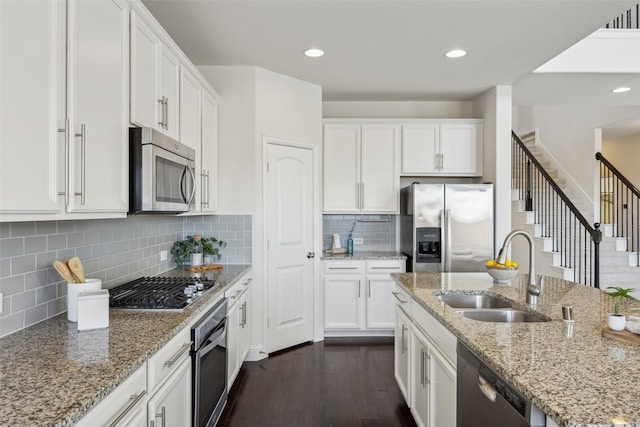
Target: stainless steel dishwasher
484,399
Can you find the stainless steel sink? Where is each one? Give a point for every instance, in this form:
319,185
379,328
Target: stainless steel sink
501,316
474,301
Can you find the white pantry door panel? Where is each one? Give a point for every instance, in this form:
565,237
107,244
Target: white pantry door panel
97,99
290,225
31,87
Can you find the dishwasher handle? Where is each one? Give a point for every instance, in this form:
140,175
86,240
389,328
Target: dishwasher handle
487,389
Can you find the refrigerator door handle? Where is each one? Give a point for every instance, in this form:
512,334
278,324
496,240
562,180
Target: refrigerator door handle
447,240
443,241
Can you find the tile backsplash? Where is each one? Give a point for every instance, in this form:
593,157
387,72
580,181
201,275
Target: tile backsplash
114,250
377,231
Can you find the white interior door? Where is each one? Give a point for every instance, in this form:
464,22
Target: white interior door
290,234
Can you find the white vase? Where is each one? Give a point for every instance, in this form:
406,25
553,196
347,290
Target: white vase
616,322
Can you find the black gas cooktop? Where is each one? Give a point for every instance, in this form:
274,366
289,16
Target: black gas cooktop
159,293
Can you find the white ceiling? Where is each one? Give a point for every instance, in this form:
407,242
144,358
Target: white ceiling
393,49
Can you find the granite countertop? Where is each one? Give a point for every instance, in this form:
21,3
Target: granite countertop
574,375
51,374
363,256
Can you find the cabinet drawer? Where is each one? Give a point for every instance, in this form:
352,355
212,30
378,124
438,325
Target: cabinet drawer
343,267
444,340
161,364
235,292
385,266
122,405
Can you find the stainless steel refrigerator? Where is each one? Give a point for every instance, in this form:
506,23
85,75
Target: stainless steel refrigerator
447,227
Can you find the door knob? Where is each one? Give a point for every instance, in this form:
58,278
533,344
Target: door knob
311,255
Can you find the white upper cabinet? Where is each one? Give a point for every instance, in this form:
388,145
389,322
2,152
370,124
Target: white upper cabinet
63,143
155,80
31,90
452,148
361,168
209,157
97,104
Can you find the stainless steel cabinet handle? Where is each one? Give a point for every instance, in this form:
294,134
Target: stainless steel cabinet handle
134,401
243,320
166,115
422,367
162,415
66,162
343,268
400,300
385,268
208,192
369,288
83,162
204,189
427,380
169,363
358,288
403,349
161,102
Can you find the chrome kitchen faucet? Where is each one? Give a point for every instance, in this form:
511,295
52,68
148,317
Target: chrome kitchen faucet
533,290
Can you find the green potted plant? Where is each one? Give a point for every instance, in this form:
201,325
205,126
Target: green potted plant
181,251
615,320
211,248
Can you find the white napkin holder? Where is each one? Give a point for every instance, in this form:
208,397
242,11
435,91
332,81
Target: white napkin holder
93,310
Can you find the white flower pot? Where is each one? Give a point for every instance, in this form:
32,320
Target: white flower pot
616,323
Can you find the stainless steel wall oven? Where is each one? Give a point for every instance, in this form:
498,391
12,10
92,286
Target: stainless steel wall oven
209,358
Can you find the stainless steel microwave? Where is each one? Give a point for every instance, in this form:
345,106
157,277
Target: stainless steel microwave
161,173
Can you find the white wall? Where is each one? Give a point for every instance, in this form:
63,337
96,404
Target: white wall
398,109
236,154
624,154
567,133
254,103
495,107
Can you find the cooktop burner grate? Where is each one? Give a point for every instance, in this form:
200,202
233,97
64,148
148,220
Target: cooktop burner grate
159,293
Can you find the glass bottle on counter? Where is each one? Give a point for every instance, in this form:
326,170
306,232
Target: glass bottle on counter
196,251
349,246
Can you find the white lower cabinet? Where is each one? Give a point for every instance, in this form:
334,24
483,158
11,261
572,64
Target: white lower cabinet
171,404
424,364
401,351
237,327
433,384
122,407
358,297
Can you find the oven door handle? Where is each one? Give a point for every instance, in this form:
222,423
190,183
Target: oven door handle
212,341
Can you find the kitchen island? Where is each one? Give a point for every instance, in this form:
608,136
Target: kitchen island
52,375
574,375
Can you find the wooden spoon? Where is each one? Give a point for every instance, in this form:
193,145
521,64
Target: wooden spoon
76,268
64,271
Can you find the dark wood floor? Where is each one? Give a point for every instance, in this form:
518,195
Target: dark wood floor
338,382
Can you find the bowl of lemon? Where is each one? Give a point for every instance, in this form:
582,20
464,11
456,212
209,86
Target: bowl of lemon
502,273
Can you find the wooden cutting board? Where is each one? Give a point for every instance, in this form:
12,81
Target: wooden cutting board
624,335
204,267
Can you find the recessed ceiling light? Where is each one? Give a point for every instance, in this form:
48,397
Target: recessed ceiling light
314,53
455,53
621,90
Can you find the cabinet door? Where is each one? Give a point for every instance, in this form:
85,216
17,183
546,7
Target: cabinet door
419,383
460,150
342,302
190,126
401,352
380,302
233,340
420,149
32,106
341,168
97,104
209,157
144,108
380,180
169,80
244,333
442,380
171,405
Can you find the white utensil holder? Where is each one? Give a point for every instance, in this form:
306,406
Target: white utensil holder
93,310
73,289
